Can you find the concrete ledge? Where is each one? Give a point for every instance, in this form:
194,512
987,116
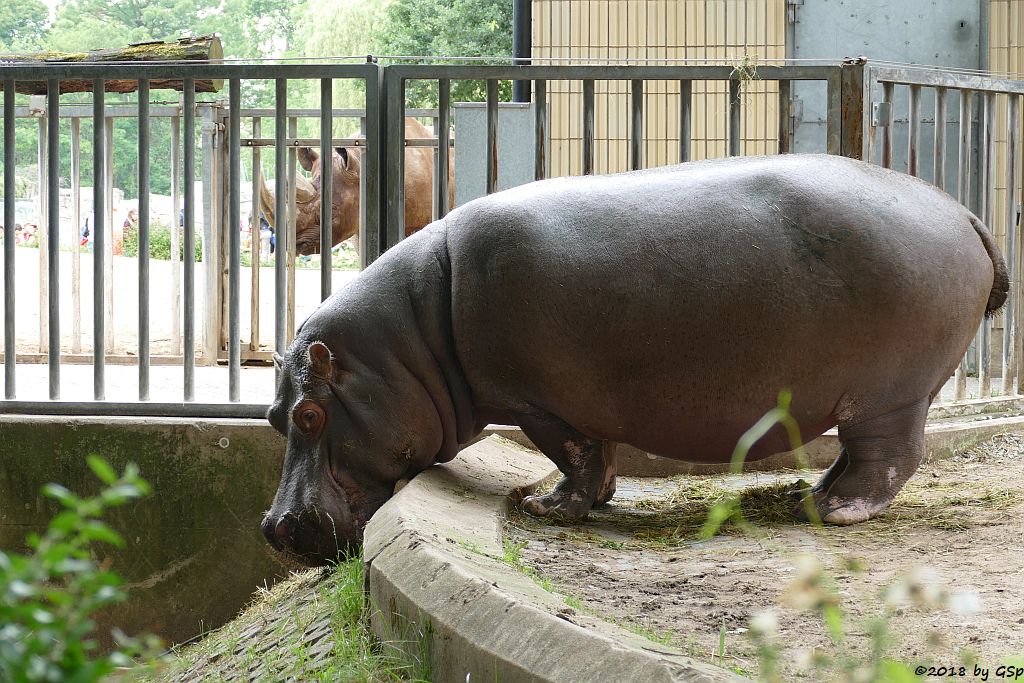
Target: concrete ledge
438,587
943,439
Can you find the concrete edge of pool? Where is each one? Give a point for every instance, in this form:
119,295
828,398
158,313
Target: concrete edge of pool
439,586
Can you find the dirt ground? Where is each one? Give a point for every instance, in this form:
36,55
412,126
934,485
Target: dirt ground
952,544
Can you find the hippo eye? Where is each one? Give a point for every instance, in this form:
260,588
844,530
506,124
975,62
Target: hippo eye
308,417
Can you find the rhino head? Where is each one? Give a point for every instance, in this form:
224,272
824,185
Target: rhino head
344,199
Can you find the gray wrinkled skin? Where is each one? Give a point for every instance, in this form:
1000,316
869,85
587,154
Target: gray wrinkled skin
664,309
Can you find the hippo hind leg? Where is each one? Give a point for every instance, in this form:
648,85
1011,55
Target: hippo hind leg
877,457
588,466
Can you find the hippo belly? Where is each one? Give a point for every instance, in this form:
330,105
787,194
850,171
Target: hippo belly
668,308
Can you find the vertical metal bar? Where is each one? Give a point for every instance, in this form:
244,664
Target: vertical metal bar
393,176
53,231
144,240
255,240
282,243
852,104
939,154
685,120
540,129
214,190
234,238
734,117
1009,312
76,242
293,132
834,118
326,183
785,135
636,135
175,233
588,126
888,92
988,199
372,159
41,235
10,351
963,196
444,103
189,163
492,135
99,237
108,227
435,173
914,143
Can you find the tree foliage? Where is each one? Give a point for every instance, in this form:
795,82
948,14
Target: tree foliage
21,24
448,28
250,29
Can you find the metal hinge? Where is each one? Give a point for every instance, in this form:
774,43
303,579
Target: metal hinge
796,112
791,6
881,114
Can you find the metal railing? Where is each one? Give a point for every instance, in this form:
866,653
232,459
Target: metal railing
186,75
843,130
859,101
975,92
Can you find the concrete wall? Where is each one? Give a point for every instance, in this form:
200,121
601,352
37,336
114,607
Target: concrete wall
194,553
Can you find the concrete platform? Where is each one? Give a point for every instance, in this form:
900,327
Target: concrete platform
438,583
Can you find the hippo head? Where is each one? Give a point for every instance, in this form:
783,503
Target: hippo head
329,487
344,200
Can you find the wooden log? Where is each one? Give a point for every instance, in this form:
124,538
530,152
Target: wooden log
200,49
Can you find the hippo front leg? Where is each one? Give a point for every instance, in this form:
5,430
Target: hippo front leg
588,465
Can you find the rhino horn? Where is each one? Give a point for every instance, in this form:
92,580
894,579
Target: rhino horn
267,202
304,190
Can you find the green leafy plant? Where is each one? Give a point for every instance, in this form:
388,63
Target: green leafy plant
49,595
159,243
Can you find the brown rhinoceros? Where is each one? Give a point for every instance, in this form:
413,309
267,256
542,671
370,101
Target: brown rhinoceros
419,183
665,309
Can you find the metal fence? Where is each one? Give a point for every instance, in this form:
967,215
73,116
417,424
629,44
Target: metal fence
860,122
980,169
186,76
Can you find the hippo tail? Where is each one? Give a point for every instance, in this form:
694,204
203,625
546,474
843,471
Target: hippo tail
1000,277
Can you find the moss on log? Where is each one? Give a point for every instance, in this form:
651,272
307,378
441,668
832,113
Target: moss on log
200,49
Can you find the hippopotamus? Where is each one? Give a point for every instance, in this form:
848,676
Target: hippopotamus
419,197
664,308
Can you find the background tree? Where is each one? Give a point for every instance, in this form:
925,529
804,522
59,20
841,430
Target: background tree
448,28
22,23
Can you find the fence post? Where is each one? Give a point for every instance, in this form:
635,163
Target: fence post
211,237
375,209
392,132
853,105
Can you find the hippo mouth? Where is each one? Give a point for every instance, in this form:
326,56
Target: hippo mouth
319,534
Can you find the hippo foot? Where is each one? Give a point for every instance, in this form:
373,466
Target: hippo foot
567,505
832,509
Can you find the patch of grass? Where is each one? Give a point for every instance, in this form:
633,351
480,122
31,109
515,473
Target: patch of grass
311,627
662,638
680,517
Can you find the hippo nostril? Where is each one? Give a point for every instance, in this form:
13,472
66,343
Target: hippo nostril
285,529
278,534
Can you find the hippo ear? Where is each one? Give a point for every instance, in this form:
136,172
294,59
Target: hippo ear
307,157
322,363
343,154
